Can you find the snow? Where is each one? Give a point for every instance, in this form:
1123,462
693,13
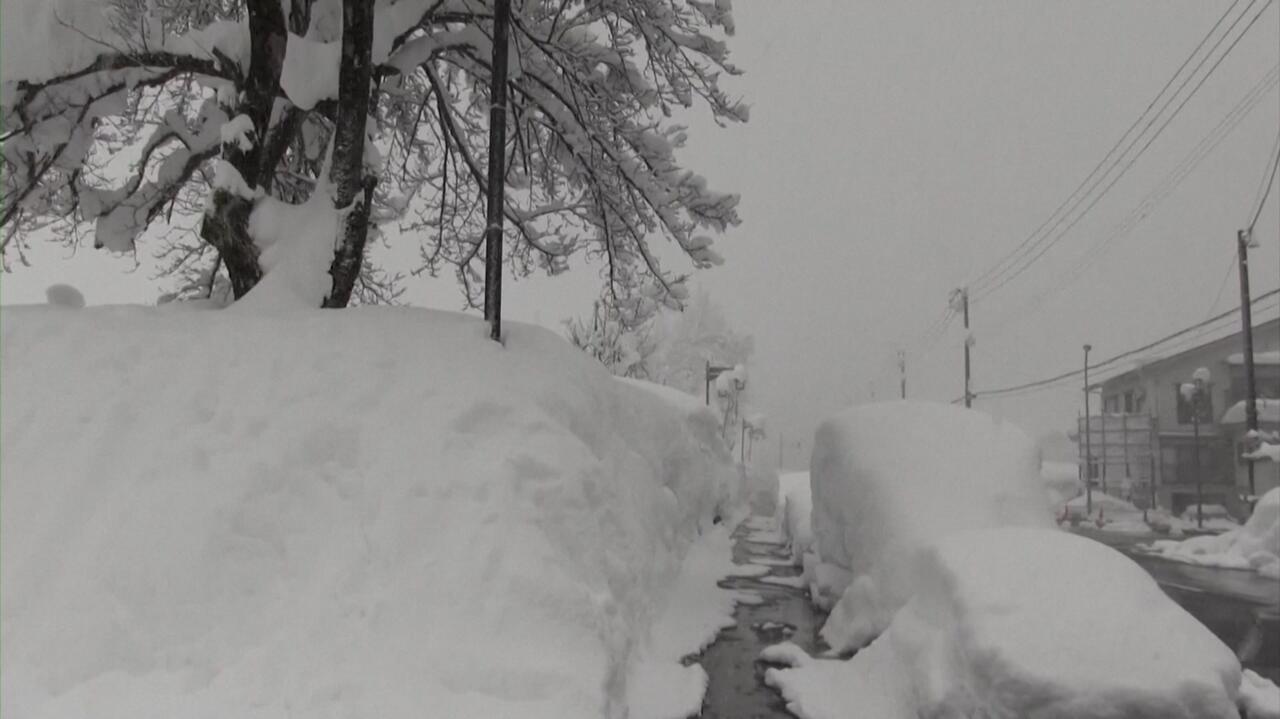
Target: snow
795,510
879,498
40,39
1254,546
659,685
1061,481
334,513
1259,696
991,633
297,244
1268,412
239,132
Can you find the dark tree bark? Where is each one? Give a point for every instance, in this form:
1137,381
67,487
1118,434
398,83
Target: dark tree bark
352,186
226,223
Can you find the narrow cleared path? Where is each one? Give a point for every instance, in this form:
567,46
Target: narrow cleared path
737,689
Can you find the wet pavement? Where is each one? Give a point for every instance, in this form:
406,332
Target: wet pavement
737,689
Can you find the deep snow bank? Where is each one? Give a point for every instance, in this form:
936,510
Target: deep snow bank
889,479
1002,626
367,512
1255,546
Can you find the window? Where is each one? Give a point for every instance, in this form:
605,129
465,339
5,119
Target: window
1204,405
1130,406
1111,404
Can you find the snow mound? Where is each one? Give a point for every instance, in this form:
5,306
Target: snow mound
889,479
1255,546
795,508
331,513
1002,627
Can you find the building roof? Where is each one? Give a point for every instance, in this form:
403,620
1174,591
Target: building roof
1268,411
1152,361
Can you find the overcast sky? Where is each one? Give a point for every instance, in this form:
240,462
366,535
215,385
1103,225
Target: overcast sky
896,150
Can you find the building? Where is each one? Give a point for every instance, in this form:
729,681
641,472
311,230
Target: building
1142,444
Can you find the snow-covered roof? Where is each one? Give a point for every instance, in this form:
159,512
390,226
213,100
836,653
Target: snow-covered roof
1259,358
1268,411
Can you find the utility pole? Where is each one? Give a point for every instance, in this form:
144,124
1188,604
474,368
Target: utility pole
497,171
902,372
960,297
1088,449
1243,239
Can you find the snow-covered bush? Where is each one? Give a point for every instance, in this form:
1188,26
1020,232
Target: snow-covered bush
890,479
1004,623
365,513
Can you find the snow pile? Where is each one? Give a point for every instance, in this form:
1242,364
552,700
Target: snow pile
1002,626
889,479
660,685
1259,697
1061,481
1256,545
795,508
1215,518
1106,512
321,514
760,483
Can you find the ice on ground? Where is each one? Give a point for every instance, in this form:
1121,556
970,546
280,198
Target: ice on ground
1003,626
1255,546
333,513
889,479
795,509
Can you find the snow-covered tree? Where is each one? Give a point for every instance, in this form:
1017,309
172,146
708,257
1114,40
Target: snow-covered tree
690,339
133,113
624,349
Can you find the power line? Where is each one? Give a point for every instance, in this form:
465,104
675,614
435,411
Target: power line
1171,182
1046,242
1112,360
999,266
1270,178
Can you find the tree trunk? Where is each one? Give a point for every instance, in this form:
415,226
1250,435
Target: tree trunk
352,187
226,223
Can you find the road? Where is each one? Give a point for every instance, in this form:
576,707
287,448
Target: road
1241,607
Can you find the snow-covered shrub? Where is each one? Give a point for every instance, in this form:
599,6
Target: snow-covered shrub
890,479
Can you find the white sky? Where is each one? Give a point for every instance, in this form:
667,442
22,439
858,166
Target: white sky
895,151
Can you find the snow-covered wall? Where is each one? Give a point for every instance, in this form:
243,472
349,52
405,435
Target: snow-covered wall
366,512
891,478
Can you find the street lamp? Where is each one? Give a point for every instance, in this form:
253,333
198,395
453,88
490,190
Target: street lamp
712,372
1193,393
1088,449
